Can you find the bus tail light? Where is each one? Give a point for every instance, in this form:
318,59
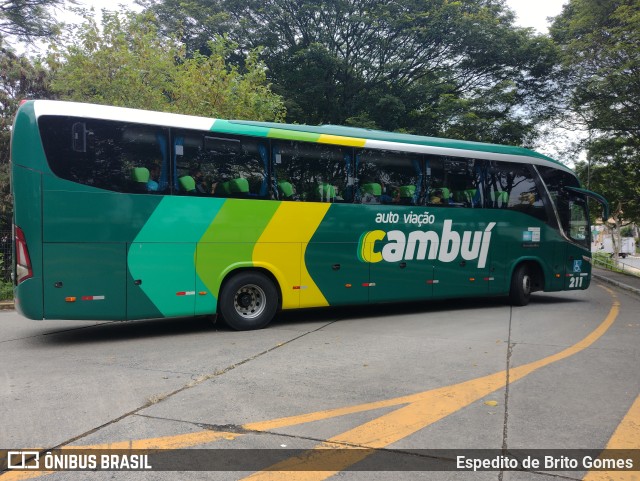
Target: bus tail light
23,262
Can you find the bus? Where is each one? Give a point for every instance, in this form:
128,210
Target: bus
123,214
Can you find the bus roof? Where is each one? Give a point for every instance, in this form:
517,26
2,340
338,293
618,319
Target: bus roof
355,132
329,134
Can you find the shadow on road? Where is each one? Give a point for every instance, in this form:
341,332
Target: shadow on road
155,328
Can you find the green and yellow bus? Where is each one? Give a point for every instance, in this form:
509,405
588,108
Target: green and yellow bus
126,214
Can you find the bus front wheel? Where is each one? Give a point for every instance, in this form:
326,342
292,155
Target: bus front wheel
521,286
248,300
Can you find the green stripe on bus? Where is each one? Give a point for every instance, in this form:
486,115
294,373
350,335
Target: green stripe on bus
226,127
229,242
163,253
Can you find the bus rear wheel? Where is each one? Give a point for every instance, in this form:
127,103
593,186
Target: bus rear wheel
521,286
248,300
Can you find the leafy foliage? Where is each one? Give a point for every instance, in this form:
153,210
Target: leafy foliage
127,63
435,67
20,78
28,19
600,42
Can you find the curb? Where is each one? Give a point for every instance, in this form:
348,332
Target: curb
617,284
6,305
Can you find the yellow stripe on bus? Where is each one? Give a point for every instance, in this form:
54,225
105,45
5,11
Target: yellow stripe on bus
281,249
339,140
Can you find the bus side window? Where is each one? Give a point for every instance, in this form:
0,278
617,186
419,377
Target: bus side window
210,164
145,149
512,186
110,155
438,192
309,172
455,181
388,177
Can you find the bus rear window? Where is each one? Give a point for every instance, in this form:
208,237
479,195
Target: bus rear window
115,156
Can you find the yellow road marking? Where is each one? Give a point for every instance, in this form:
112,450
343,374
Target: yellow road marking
626,436
425,409
414,413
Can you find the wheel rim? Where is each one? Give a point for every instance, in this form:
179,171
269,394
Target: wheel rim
526,284
249,301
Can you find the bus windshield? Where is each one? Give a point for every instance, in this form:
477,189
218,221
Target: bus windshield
570,206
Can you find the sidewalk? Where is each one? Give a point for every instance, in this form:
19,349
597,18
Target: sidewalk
624,281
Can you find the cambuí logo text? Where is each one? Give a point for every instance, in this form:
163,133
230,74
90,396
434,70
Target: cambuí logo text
447,246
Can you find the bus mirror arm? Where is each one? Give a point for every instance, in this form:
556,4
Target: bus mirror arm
597,197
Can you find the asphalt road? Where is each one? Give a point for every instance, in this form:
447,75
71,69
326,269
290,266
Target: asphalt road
561,373
633,261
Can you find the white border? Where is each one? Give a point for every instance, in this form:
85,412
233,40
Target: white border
104,112
461,152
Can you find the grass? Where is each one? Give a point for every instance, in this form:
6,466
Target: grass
6,290
604,260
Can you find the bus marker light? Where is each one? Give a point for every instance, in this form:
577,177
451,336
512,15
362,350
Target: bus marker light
23,261
433,281
70,299
348,286
489,278
186,293
368,284
202,293
93,298
557,276
472,279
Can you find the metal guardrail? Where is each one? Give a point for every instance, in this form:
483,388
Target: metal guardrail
619,266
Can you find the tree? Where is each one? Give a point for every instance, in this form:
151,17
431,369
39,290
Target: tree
617,178
433,67
27,20
600,41
127,63
20,78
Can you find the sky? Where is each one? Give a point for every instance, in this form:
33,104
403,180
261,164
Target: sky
534,13
531,13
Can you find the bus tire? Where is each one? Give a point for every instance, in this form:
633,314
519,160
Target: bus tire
521,286
248,300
